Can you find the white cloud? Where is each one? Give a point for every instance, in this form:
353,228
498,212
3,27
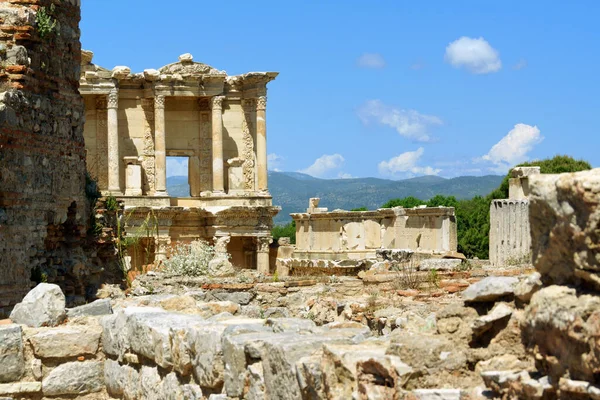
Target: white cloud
476,55
406,163
513,148
520,65
345,175
408,123
274,162
324,164
177,166
371,60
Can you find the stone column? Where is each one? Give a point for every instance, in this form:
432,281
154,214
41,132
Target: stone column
261,143
160,154
114,186
262,253
216,106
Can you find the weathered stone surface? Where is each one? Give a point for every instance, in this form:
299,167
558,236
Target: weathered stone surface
74,378
86,56
490,289
276,312
364,370
500,312
186,58
528,286
216,307
440,264
44,305
12,361
95,308
564,215
20,388
68,341
120,72
298,325
456,320
437,394
242,298
151,74
564,329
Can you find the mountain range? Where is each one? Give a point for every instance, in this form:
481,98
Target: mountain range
291,190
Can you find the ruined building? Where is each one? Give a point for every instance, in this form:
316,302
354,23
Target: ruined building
134,121
43,211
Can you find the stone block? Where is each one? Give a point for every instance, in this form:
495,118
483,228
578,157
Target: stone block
74,378
490,289
96,308
12,361
20,388
439,264
44,305
68,341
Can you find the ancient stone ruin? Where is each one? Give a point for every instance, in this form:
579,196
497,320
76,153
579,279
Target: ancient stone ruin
43,207
188,109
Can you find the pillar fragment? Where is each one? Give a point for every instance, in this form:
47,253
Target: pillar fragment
261,143
114,186
217,143
160,153
262,253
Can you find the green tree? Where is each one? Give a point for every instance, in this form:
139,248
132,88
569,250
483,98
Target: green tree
360,209
287,230
444,201
407,202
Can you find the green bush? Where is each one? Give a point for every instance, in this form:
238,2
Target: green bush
190,259
360,209
407,202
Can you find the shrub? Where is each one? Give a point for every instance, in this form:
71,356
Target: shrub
288,230
44,21
360,209
190,259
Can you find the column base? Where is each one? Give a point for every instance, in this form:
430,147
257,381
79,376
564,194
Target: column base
162,193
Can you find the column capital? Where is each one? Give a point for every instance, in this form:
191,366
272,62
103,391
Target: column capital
262,243
216,102
159,101
261,103
113,98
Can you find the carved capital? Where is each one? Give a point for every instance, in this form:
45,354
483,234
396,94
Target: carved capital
216,102
262,243
261,103
113,99
159,102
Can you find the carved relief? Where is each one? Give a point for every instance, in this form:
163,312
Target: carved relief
261,103
102,142
113,98
205,152
148,150
248,150
159,102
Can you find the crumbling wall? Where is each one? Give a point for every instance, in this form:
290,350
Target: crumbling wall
43,210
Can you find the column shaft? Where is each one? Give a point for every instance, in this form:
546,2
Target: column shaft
262,254
114,186
160,154
217,143
261,143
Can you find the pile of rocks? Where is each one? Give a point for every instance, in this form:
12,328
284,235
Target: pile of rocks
561,323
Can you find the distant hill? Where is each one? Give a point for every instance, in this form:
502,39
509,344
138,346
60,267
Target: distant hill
291,190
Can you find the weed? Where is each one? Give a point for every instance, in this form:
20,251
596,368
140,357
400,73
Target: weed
45,23
409,277
433,278
190,259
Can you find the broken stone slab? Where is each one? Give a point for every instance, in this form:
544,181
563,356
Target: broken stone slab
151,74
397,255
216,307
276,312
564,214
310,377
86,56
74,378
120,72
121,380
241,298
186,58
454,254
490,289
44,305
68,341
298,325
537,388
528,286
19,388
350,369
500,381
500,312
12,359
439,264
95,308
579,388
437,394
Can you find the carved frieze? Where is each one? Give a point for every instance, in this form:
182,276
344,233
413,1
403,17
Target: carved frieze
113,99
248,140
159,102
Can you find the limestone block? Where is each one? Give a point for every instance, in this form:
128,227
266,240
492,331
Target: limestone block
242,298
310,377
17,55
20,388
74,378
291,325
95,308
528,286
490,289
437,394
12,360
68,341
520,172
151,74
44,305
439,264
500,312
121,380
186,58
564,217
120,72
256,382
352,369
86,56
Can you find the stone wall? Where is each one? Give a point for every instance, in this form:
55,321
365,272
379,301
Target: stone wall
43,209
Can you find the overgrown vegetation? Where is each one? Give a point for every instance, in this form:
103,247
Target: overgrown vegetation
473,215
360,209
190,259
44,21
287,230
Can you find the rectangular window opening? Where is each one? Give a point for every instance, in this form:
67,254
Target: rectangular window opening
178,180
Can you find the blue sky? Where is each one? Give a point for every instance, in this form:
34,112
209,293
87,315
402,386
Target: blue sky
389,89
